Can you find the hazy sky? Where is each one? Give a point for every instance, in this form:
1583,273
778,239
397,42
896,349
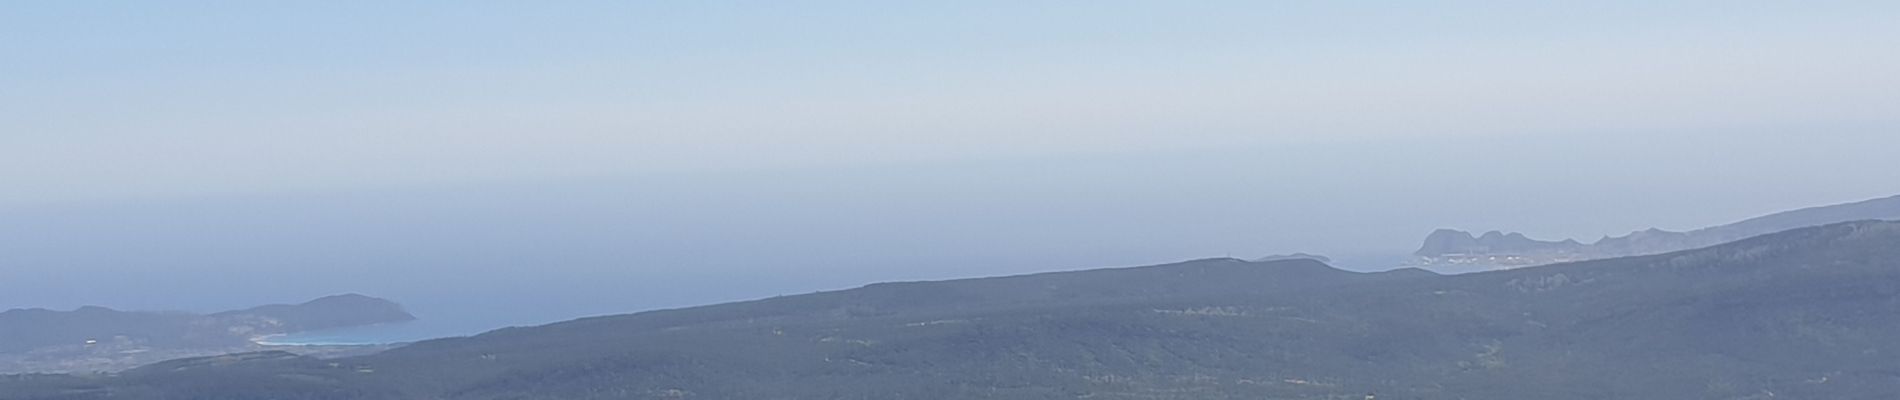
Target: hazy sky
127,100
149,149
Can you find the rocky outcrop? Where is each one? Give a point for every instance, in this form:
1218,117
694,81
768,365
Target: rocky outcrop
1448,250
1447,242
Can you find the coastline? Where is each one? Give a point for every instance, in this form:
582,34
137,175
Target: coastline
265,340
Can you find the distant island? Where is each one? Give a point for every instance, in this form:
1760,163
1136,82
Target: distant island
1453,251
99,339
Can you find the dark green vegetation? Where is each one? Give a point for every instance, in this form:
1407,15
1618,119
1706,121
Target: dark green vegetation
1459,251
1808,314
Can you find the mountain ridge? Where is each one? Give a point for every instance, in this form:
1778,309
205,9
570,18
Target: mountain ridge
1771,313
1453,250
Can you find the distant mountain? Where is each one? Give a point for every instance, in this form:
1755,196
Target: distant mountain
1448,250
1449,243
340,311
1807,314
97,336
